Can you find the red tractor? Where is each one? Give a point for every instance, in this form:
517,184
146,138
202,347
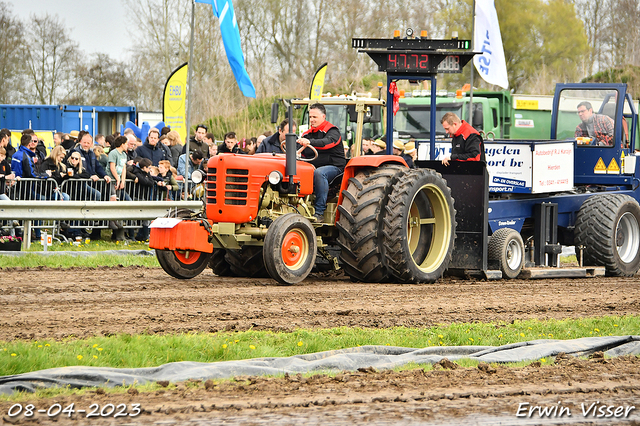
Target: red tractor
388,222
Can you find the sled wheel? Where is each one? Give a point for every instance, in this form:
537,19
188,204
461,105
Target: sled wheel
419,227
290,249
507,249
608,226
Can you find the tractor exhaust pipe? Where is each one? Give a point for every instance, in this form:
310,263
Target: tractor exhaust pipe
290,141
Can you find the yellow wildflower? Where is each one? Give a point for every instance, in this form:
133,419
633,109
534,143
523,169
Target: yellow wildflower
300,343
79,357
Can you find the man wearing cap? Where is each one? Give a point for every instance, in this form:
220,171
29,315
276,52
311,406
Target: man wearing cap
69,141
410,152
399,150
327,140
378,147
466,142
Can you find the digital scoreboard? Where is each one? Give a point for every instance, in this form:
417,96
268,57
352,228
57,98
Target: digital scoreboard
419,62
416,56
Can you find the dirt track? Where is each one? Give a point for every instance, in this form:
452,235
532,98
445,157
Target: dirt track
49,303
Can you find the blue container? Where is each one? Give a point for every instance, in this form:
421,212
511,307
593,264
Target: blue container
65,118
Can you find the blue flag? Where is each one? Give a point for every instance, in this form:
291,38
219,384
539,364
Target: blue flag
223,9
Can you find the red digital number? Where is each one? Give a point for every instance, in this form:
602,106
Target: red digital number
416,56
423,62
393,59
404,57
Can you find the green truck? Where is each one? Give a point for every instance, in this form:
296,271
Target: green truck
499,115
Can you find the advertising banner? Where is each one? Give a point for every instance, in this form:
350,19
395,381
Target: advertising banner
174,101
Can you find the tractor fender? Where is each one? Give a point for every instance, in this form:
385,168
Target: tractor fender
365,161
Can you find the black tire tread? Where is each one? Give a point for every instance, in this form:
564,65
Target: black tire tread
397,257
359,226
219,264
595,229
496,251
247,262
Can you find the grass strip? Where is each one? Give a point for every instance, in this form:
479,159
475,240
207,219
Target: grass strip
137,351
34,260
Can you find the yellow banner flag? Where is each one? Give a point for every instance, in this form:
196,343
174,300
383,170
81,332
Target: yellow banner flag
174,102
318,83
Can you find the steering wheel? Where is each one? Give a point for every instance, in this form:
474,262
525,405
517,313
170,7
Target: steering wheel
299,152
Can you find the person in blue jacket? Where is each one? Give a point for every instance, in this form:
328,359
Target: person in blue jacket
22,163
152,149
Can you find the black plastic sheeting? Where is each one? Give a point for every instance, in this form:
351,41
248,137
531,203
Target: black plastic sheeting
379,357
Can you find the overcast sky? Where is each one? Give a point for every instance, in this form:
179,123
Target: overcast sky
97,25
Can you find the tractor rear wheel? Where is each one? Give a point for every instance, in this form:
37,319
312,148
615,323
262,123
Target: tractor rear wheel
290,249
419,227
506,248
608,226
219,264
247,262
360,223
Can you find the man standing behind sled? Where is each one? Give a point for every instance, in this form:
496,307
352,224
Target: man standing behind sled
466,142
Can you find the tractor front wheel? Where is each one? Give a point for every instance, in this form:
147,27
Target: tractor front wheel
289,250
183,264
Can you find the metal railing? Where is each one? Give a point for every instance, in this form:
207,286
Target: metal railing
82,203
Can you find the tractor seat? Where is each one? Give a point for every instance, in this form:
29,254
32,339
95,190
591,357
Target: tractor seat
334,186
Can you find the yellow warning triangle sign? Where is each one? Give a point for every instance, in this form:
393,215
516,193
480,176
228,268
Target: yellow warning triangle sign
613,168
600,167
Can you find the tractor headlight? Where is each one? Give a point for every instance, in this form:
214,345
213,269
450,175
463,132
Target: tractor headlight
275,177
197,176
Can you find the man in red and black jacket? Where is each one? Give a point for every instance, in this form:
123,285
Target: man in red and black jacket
466,142
327,140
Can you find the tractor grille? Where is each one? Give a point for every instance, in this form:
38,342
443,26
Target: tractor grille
211,186
236,187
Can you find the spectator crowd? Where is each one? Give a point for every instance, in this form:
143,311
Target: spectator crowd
123,167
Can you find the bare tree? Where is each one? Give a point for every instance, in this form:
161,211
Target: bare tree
50,58
11,35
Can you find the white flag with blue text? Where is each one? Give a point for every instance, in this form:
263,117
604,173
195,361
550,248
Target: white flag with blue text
491,65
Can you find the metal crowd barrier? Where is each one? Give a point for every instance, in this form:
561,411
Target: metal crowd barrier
25,189
45,194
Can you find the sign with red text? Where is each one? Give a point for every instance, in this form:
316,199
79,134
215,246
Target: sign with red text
553,167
